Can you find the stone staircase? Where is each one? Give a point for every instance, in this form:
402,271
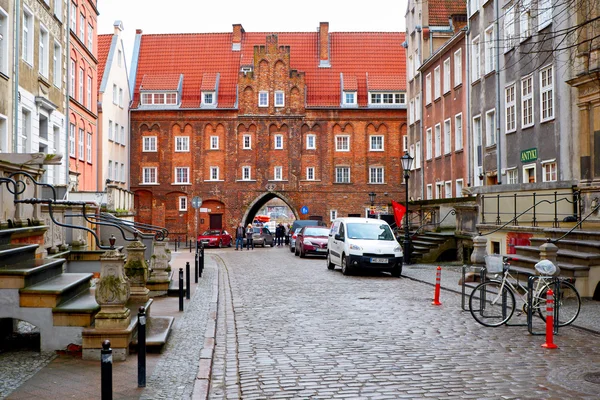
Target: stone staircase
429,247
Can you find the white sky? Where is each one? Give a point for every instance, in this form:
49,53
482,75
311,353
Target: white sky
190,16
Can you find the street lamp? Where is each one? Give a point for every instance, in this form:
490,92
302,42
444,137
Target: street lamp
407,161
372,198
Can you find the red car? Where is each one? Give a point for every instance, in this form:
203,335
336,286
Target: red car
215,238
313,240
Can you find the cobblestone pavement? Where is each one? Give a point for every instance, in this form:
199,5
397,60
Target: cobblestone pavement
18,366
288,328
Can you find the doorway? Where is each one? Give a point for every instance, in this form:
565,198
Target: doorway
216,221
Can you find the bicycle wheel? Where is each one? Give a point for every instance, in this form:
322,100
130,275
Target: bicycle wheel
491,304
567,301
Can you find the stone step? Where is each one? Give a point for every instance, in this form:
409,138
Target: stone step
15,253
563,255
158,330
52,292
566,269
78,311
29,272
590,246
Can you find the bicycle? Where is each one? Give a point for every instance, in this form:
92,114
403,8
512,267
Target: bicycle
492,303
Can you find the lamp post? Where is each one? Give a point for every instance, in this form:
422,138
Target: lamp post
372,198
407,161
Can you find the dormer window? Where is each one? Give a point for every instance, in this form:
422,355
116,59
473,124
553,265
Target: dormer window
169,98
385,98
349,98
208,98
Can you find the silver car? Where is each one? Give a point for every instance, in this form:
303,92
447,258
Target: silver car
293,237
262,237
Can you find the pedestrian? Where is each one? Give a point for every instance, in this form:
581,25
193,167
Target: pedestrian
249,240
279,232
287,234
239,236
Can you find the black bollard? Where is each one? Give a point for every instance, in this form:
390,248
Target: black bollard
188,281
176,245
201,259
106,370
196,269
180,289
142,347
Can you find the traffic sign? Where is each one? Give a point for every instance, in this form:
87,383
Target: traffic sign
304,210
196,202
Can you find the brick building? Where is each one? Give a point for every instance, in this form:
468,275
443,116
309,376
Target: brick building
317,119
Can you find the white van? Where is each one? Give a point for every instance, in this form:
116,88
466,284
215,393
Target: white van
363,243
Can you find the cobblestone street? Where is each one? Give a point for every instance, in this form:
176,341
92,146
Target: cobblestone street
289,328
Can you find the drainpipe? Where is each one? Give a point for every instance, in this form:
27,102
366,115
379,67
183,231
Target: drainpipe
467,122
497,61
422,97
16,75
67,101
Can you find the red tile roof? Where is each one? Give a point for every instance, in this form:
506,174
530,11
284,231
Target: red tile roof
386,82
441,10
195,55
160,82
350,82
104,42
209,81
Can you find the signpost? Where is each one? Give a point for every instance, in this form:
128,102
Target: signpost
196,203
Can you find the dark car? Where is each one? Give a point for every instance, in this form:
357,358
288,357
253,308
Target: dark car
299,223
262,236
215,238
312,240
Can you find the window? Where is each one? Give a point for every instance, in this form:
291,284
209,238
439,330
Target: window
72,79
477,141
122,135
246,176
428,89
529,173
547,93
405,143
311,142
448,189
512,176
436,82
81,144
490,50
490,128
116,136
411,112
439,187
73,17
82,27
80,86
527,101
549,171
183,203
473,6
182,175
342,174
418,107
525,21
153,98
263,99
278,142
310,173
3,134
214,173
27,50
56,64
459,187
429,192
509,29
411,69
446,75
58,9
3,42
89,148
475,61
376,175
332,215
115,93
376,143
122,172
89,92
279,98
416,154
510,109
278,173
149,143
182,143
342,143
214,142
44,52
90,37
149,175
544,13
120,97
387,98
458,134
349,98
438,140
428,145
119,57
72,140
447,136
457,67
110,169
208,98
247,142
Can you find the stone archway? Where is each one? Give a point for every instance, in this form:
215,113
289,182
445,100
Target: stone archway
263,199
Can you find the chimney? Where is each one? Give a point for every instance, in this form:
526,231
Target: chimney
324,45
138,31
236,40
457,22
118,27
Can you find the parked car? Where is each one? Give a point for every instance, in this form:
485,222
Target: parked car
262,236
363,243
215,238
312,240
299,223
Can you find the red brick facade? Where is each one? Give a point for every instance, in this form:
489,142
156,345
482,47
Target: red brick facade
265,139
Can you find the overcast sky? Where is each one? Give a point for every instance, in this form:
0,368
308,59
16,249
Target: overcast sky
190,16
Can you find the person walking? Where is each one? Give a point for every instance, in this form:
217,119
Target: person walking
249,240
279,231
239,236
287,234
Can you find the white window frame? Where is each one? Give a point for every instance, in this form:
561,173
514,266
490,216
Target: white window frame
404,143
447,136
478,151
459,185
544,13
81,85
88,102
447,74
547,104
116,135
57,65
121,97
489,49
150,175
509,29
4,41
439,190
438,140
44,52
458,67
81,144
428,89
311,141
247,142
183,203
490,128
246,173
376,143
342,143
278,173
72,73
214,174
89,147
411,68
149,144
376,175
90,37
524,23
332,215
342,175
475,60
72,140
82,21
122,140
448,189
411,112
27,36
387,98
429,144
263,98
349,97
474,6
214,143
278,142
416,153
526,174
510,108
58,7
549,167
429,192
458,132
437,84
208,98
418,105
310,173
527,108
115,94
512,176
182,144
279,98
182,175
119,57
73,17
